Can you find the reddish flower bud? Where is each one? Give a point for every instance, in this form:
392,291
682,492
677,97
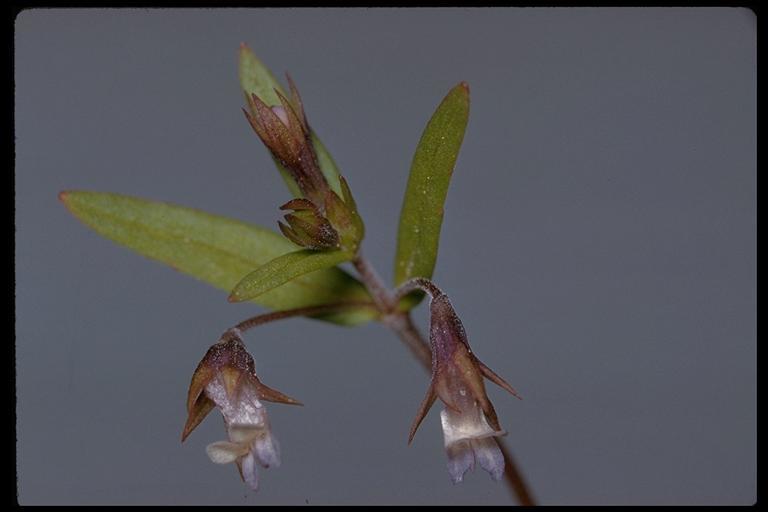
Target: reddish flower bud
226,378
322,220
307,227
284,130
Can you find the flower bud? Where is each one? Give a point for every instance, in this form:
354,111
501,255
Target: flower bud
284,130
321,219
342,214
226,378
307,227
469,420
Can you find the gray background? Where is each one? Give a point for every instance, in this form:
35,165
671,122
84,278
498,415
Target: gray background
599,244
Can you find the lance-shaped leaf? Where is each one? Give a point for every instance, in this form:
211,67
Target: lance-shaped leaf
214,249
284,269
422,213
256,78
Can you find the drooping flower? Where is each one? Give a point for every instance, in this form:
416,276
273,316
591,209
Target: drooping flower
226,378
469,421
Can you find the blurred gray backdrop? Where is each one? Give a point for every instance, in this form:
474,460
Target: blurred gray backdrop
598,243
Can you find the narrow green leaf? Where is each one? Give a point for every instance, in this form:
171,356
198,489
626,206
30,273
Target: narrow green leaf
214,249
283,269
256,78
422,213
327,165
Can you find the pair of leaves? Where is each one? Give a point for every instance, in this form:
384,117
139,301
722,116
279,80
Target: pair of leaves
214,249
220,251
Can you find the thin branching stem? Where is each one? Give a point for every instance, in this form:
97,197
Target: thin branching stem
418,283
401,323
272,316
383,298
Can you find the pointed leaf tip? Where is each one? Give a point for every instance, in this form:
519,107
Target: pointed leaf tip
256,78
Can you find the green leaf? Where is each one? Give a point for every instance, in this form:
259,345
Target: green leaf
214,249
327,165
284,269
256,78
422,213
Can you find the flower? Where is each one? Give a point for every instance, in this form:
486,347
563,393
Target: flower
226,378
469,420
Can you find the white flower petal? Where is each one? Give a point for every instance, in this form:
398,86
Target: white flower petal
246,410
489,456
267,450
250,472
216,391
281,113
460,460
224,452
468,425
242,433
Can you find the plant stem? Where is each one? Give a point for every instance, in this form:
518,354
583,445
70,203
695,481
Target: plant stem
418,283
383,298
514,477
401,323
236,331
